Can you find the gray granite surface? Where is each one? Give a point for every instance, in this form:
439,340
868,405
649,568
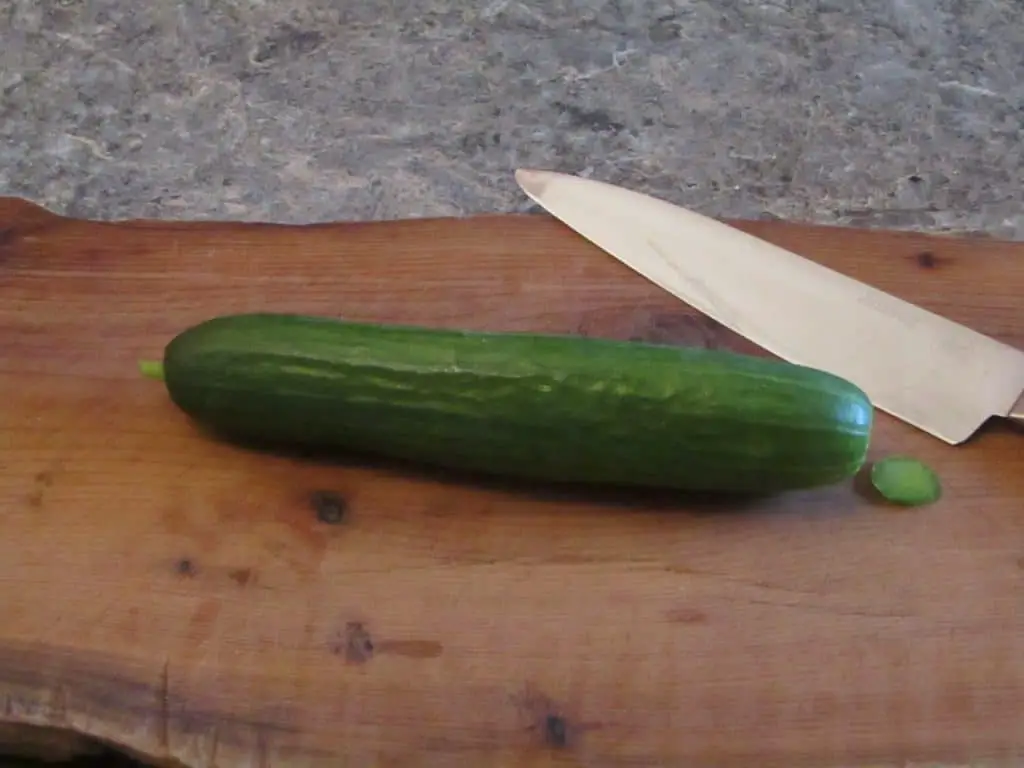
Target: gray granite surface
901,113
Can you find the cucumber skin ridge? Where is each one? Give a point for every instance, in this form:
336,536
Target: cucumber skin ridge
533,406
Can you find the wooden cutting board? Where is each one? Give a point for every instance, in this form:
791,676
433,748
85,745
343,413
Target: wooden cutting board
183,598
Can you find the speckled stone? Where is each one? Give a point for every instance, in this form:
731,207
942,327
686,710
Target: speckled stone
900,113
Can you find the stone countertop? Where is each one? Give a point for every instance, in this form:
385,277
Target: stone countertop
897,113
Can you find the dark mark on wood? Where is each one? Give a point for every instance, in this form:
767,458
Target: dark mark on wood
329,507
354,643
556,731
241,576
40,485
682,329
186,567
687,616
551,725
6,236
927,260
411,649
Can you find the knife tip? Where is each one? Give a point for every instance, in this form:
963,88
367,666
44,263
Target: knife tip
532,181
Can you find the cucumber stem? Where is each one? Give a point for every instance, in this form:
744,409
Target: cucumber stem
152,369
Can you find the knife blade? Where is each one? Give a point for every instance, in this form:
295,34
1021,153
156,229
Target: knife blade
935,374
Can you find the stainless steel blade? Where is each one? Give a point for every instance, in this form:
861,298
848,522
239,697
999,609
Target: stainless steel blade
935,374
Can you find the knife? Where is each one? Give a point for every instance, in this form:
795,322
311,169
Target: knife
935,374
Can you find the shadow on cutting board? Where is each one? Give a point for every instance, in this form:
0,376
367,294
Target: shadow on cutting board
29,746
618,497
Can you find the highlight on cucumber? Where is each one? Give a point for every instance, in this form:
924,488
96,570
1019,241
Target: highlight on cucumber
533,406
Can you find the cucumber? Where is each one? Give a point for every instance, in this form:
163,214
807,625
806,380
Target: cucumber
519,405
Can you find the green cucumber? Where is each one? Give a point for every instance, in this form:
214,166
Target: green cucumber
520,405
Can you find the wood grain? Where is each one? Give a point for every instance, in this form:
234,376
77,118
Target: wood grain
183,598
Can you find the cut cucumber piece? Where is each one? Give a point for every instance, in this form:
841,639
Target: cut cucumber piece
906,481
152,369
